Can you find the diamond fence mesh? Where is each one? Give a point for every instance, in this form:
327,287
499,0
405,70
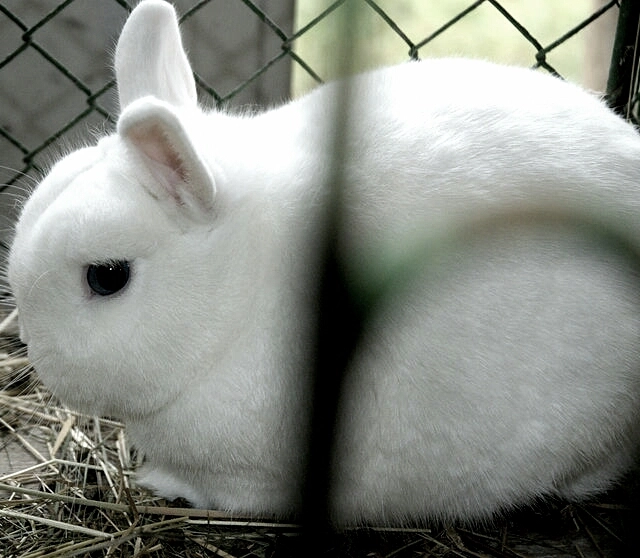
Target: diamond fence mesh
55,58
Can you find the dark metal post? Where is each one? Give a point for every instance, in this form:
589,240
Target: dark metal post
624,58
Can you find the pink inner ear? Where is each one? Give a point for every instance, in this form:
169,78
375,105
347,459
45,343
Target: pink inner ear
154,144
155,131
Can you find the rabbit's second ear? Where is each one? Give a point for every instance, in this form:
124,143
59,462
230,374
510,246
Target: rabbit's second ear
180,174
150,59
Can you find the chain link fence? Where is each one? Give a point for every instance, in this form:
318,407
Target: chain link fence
56,83
38,73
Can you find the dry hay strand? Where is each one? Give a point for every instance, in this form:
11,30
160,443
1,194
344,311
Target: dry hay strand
67,488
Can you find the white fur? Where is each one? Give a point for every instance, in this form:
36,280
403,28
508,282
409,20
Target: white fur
504,369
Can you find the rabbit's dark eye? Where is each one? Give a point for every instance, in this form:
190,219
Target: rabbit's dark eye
108,278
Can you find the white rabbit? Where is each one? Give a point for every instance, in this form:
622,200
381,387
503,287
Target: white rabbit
167,275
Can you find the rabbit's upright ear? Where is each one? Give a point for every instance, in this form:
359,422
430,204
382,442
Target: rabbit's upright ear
150,59
181,176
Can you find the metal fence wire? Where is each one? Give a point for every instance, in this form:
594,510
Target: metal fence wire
36,72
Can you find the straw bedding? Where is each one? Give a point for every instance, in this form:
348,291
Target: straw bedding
67,488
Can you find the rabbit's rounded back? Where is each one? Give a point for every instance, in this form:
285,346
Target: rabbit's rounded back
500,370
522,343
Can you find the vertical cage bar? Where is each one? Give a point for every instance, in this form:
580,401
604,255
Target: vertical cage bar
624,58
338,318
